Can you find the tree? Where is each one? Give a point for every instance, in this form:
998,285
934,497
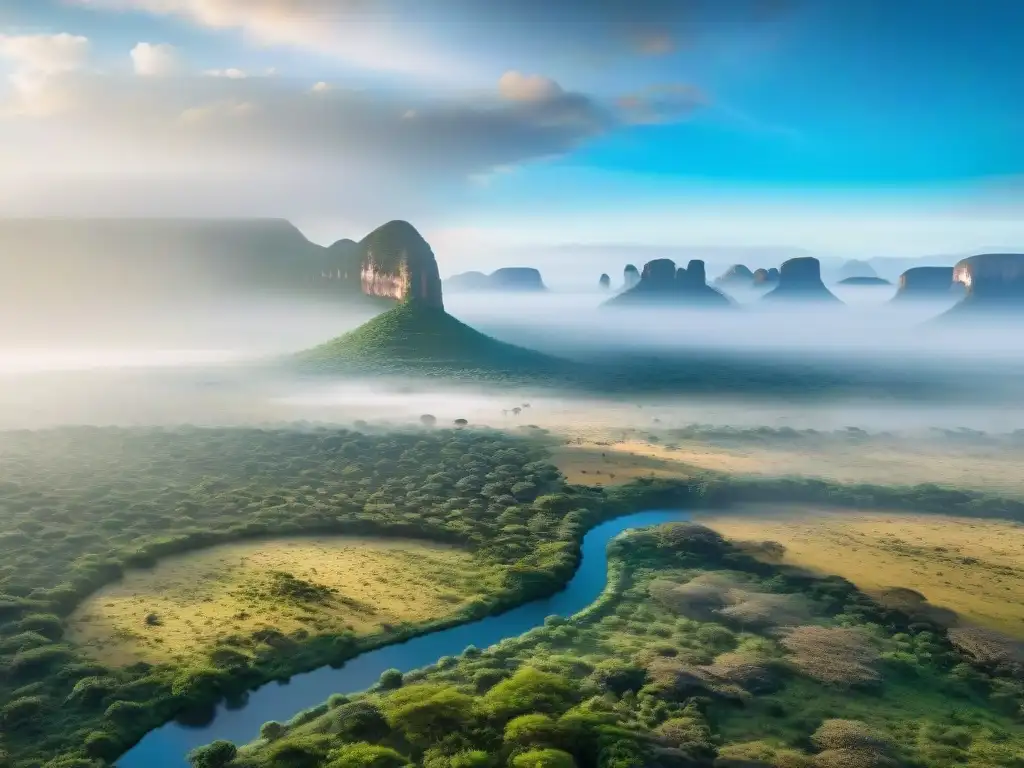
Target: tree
271,730
427,420
460,423
533,730
428,712
215,755
390,679
528,690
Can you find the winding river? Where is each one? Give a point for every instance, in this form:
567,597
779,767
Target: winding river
166,747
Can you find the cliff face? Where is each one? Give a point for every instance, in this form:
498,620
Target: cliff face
766,277
397,263
925,283
996,278
800,280
604,282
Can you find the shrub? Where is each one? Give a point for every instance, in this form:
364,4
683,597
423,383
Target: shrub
364,755
544,758
835,655
20,712
215,755
390,679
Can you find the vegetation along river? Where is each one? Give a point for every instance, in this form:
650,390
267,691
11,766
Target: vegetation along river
167,747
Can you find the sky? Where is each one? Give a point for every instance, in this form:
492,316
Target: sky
854,127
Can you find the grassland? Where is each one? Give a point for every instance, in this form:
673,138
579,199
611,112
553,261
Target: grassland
593,443
697,655
973,567
187,605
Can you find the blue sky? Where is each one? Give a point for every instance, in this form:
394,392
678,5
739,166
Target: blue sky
832,125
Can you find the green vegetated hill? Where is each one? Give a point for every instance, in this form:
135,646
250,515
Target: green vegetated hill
697,656
416,339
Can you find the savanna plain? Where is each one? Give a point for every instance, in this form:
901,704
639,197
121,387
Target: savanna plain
178,530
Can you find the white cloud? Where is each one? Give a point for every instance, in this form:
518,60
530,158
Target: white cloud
45,54
516,86
231,73
321,87
198,145
354,31
156,60
36,59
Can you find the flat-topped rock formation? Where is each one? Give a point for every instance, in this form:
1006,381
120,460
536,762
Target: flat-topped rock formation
397,263
865,281
855,268
662,284
994,282
800,280
604,282
926,283
504,279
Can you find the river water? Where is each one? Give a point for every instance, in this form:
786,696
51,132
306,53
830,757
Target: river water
167,746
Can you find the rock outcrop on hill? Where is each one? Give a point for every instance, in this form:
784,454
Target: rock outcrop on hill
504,279
866,281
630,277
737,274
661,284
397,263
855,268
800,280
766,277
926,283
604,282
994,282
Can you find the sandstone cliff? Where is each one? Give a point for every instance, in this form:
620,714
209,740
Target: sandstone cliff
397,263
992,281
800,280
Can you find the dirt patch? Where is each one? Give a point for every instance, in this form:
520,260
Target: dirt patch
187,603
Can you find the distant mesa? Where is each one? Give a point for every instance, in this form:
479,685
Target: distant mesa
800,280
994,283
661,283
736,275
504,279
921,283
766,277
604,282
866,281
630,277
855,268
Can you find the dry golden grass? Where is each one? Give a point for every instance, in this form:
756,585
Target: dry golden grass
612,463
970,566
200,597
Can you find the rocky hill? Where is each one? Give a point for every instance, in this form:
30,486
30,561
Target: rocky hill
800,281
737,275
662,284
864,281
397,263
